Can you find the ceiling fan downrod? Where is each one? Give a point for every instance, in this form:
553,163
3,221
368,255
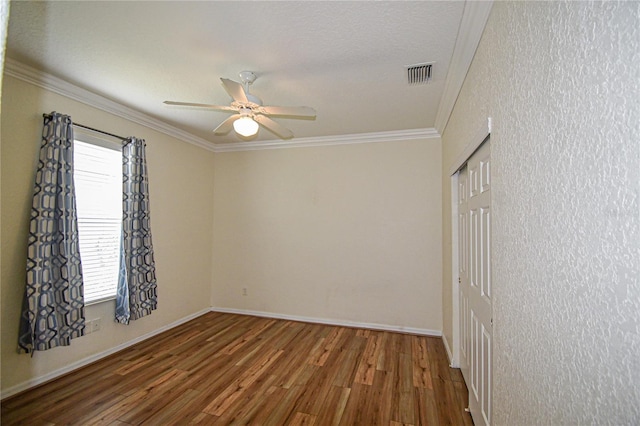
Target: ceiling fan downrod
247,78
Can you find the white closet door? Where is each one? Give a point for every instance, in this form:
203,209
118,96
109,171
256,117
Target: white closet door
463,272
480,294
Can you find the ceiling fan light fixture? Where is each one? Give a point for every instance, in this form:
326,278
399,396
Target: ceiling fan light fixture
245,126
250,112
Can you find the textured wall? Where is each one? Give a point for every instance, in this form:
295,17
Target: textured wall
348,233
181,184
561,81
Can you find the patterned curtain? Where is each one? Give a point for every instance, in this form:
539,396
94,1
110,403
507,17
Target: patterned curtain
137,295
53,304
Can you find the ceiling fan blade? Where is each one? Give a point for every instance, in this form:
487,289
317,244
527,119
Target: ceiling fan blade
226,126
235,90
274,127
301,111
190,104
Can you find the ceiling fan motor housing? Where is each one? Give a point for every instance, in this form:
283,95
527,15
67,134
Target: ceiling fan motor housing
247,77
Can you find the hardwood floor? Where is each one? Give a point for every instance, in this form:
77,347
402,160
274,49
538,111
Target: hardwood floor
234,369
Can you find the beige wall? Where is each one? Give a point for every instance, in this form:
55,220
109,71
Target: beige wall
560,81
181,187
342,233
346,233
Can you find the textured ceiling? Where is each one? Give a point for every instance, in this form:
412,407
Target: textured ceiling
345,59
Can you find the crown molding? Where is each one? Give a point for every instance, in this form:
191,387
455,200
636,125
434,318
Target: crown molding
54,84
57,85
358,138
474,19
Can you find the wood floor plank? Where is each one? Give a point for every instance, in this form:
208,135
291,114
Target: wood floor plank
302,419
355,411
328,345
207,377
346,369
271,400
369,361
240,370
193,340
164,390
285,409
381,350
62,386
299,370
198,355
403,409
244,409
381,397
173,411
290,369
333,406
134,402
219,405
448,404
66,409
320,382
142,377
447,414
45,402
387,360
426,408
188,410
251,334
288,333
363,333
421,364
203,419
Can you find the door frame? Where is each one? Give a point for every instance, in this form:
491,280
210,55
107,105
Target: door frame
459,162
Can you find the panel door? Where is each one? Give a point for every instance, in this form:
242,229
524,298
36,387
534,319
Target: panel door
480,293
463,272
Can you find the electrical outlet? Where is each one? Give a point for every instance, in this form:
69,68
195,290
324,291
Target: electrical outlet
244,291
96,324
87,327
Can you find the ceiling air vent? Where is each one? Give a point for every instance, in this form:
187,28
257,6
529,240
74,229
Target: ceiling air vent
419,73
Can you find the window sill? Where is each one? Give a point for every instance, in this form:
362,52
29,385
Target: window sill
101,300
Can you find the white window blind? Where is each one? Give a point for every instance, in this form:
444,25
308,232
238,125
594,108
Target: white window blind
98,181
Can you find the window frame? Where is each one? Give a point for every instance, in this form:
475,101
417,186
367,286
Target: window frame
103,141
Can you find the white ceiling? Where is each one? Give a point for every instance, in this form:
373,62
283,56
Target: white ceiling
345,59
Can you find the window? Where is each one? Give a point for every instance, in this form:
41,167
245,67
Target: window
98,181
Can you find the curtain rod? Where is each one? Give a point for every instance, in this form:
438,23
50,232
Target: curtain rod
91,128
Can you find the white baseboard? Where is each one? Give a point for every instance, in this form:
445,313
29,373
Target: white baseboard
449,353
343,323
93,358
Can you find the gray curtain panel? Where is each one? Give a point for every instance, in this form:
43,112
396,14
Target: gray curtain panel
53,303
137,289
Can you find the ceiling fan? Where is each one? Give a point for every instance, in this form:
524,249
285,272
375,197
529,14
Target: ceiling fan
248,110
